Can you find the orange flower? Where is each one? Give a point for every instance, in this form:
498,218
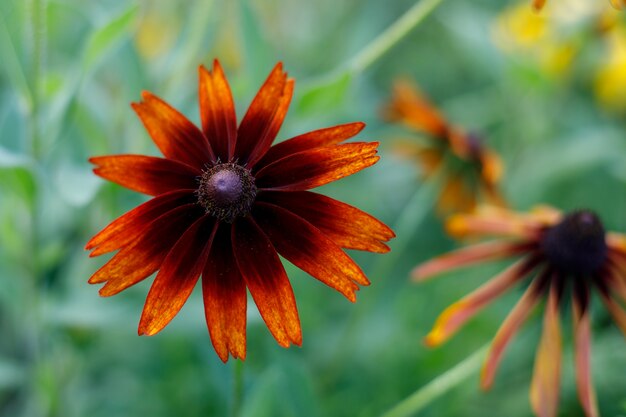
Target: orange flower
226,203
559,252
479,169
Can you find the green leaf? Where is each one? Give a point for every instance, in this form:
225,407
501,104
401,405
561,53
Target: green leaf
326,94
107,37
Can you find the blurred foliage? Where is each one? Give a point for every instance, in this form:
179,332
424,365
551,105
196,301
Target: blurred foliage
547,91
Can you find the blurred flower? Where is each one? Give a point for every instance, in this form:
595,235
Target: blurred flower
226,203
561,254
534,38
477,171
610,83
618,4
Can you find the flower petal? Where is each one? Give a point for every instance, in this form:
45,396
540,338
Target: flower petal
177,277
307,248
264,118
470,255
616,311
173,133
458,313
144,256
345,225
509,328
217,111
456,196
127,227
582,353
267,281
538,4
544,388
315,139
316,167
225,302
412,108
146,174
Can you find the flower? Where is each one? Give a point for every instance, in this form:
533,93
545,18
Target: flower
226,203
476,171
559,253
618,4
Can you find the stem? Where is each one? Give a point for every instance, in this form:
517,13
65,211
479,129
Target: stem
237,388
394,33
438,386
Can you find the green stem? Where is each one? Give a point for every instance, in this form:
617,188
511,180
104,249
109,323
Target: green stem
237,388
394,33
438,386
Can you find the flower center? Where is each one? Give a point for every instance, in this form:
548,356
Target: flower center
577,244
226,191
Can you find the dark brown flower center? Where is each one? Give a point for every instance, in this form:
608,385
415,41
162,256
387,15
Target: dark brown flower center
577,244
227,191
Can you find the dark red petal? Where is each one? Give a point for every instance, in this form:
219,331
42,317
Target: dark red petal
316,139
224,292
307,248
265,115
345,225
127,227
217,111
175,136
177,277
143,257
146,174
316,167
267,281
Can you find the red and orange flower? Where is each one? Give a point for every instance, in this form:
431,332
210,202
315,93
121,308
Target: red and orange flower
560,254
475,171
226,203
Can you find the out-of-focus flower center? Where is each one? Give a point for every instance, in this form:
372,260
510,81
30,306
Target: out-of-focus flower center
227,191
576,245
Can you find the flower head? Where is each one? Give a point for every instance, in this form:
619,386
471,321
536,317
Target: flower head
226,203
560,254
477,170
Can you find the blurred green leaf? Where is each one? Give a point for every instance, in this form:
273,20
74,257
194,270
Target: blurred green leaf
11,374
107,37
12,64
326,94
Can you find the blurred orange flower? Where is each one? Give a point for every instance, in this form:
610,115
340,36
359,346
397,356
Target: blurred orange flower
226,203
479,169
560,254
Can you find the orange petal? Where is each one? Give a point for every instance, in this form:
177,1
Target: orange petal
175,136
493,221
267,281
538,4
411,107
509,328
616,242
468,256
345,225
582,335
225,303
544,389
307,248
458,313
456,196
217,111
265,115
144,256
177,277
146,174
127,227
315,139
492,167
316,167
